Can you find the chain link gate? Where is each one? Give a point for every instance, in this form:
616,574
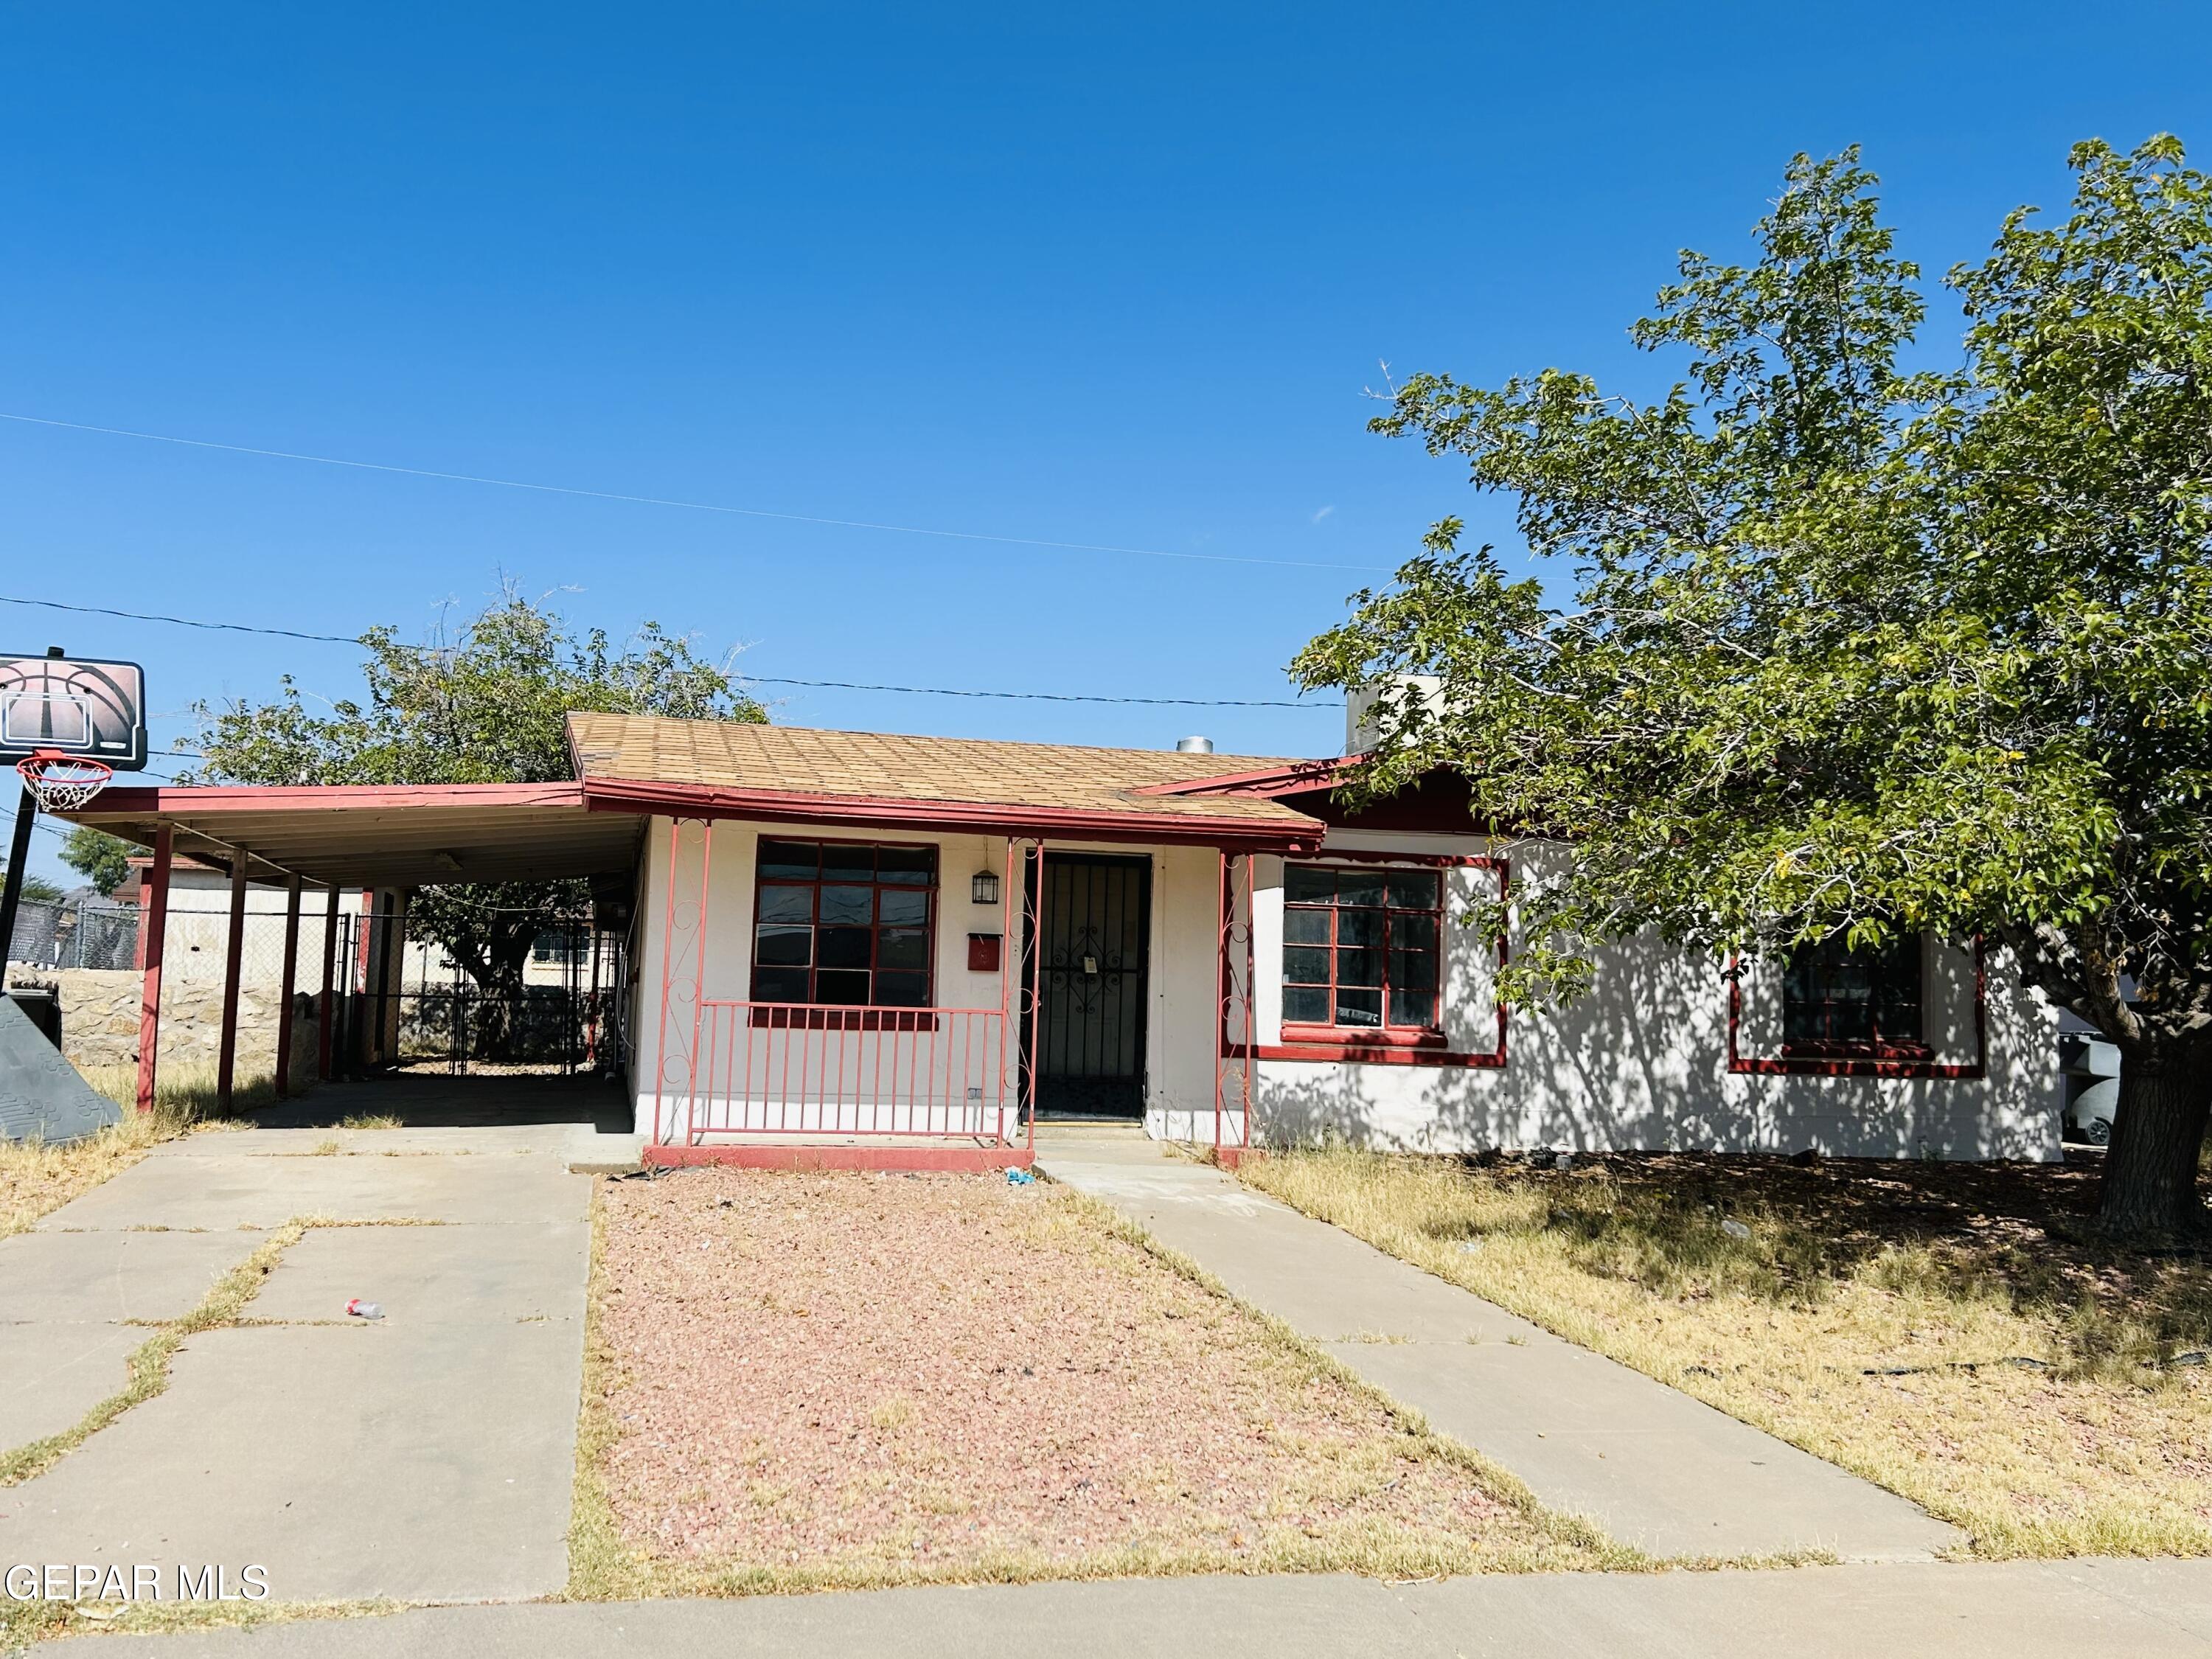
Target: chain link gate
565,1018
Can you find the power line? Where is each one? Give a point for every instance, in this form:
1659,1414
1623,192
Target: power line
188,622
691,507
1034,696
751,679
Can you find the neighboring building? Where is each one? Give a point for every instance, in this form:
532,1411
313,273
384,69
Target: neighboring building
821,920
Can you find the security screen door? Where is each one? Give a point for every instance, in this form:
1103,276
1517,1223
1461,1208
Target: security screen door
1097,928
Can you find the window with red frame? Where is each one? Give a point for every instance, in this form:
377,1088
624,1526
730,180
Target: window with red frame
1839,1001
844,923
1360,948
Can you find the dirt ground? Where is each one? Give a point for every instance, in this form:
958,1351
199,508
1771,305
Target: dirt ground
808,1379
1956,1332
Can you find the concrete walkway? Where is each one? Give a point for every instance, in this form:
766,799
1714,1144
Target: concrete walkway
1652,1467
427,1456
2024,1610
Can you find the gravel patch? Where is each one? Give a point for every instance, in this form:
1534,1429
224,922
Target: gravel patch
936,1375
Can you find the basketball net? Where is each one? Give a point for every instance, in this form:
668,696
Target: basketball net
63,783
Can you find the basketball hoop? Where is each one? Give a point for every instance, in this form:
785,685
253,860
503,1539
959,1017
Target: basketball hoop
63,783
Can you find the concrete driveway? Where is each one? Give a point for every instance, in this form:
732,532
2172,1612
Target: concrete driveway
427,1456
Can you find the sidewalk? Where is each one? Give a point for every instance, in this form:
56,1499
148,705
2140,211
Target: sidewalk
1652,1467
2014,1610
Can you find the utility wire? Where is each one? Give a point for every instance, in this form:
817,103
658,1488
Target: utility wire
187,621
1033,696
751,679
661,501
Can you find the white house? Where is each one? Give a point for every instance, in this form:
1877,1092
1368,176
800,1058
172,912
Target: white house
866,939
856,947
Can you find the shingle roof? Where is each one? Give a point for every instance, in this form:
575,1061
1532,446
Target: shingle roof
627,757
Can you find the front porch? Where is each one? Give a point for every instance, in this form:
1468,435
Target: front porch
1091,981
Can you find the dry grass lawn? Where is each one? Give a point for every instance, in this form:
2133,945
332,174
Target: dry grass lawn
814,1381
36,1179
1953,1332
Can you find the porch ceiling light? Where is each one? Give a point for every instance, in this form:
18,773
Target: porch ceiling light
986,887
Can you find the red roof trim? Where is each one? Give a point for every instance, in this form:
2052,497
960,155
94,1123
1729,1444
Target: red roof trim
708,800
186,799
1273,780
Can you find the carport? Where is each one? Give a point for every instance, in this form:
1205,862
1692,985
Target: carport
335,837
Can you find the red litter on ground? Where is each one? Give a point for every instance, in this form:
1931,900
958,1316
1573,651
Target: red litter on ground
360,1309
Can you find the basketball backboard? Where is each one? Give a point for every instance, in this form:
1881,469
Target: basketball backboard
74,707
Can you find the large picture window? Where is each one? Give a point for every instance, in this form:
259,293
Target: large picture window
1844,1002
1360,948
843,923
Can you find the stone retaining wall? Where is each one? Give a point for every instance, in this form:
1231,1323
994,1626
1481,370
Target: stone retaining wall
100,1021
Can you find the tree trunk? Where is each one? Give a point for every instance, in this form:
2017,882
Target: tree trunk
2158,1132
499,1021
493,1028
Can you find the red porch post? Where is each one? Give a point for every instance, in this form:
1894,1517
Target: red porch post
234,962
330,972
1251,1065
1220,996
152,933
284,989
1009,957
1035,941
1230,998
676,986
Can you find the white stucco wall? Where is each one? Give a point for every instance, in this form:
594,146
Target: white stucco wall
1641,1062
197,939
728,969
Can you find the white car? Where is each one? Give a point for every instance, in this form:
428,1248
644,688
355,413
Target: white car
2093,1080
2089,1115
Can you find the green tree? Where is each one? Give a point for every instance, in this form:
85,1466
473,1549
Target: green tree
37,890
1853,650
485,707
101,858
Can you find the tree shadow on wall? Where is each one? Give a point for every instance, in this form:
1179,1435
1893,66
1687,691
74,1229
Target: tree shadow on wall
1640,1061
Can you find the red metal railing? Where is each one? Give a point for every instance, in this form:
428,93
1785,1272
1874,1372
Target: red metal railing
777,1068
1237,1048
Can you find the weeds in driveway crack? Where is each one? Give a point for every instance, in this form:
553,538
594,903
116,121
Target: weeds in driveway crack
23,1623
147,1371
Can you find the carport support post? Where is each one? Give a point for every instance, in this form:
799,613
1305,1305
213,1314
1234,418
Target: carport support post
152,934
330,973
284,990
234,962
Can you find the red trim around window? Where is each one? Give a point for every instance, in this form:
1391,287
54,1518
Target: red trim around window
840,1017
774,1006
1385,1046
1888,1060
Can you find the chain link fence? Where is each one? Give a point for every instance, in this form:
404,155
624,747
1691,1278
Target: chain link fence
564,1014
95,933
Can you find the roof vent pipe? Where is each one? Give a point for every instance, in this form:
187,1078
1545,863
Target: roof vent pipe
1194,745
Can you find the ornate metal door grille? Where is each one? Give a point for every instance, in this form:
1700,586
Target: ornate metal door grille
1097,930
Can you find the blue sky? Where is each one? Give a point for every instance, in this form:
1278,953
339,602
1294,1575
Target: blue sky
1111,276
